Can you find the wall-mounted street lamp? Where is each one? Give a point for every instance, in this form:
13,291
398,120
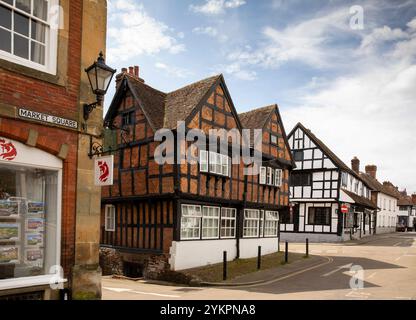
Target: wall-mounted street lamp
100,76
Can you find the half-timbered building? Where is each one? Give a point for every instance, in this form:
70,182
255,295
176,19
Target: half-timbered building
184,215
320,186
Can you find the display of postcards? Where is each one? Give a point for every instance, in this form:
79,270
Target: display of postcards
34,239
34,257
34,207
9,231
34,224
22,204
9,209
9,255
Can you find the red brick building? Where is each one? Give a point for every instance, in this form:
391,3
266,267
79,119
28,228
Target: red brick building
44,167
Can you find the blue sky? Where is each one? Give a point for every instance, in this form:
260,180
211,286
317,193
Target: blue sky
352,84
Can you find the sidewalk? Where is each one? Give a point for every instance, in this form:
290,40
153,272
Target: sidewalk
273,274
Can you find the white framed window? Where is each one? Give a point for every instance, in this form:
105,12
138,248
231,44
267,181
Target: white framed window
29,32
210,222
110,218
251,223
278,177
271,223
191,222
263,171
273,139
219,164
203,161
270,176
228,222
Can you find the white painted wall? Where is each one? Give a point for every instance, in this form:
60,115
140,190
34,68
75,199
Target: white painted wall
249,247
387,217
191,254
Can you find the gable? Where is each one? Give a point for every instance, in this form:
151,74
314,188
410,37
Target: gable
215,111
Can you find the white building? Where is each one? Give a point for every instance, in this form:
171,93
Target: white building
320,186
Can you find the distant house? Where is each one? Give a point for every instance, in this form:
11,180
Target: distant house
406,210
320,186
180,216
386,197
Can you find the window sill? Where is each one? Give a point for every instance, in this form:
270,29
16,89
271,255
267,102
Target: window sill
29,282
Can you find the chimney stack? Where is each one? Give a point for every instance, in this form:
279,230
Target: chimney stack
131,71
371,170
355,165
120,76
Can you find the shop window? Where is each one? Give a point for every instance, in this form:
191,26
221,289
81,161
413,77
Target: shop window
191,222
271,222
29,221
110,218
319,216
286,217
210,222
28,33
228,222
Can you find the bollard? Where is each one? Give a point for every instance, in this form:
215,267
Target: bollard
286,252
307,247
224,266
259,258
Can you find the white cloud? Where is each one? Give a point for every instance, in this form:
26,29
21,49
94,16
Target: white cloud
235,70
216,7
133,32
307,42
211,32
381,35
369,112
173,71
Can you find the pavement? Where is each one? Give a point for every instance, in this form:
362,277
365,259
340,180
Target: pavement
376,267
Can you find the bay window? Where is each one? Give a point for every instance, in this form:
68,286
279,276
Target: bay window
28,33
278,177
263,175
270,176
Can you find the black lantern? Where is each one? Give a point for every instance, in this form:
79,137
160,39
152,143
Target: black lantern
100,76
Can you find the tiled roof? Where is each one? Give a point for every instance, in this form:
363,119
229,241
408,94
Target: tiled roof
164,110
377,186
256,119
360,200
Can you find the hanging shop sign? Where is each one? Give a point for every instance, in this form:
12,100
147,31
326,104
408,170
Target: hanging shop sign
8,151
104,171
47,118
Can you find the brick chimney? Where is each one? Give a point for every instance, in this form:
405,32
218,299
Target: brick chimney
120,76
371,170
355,165
131,71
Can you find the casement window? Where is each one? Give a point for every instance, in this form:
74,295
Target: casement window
270,176
210,222
278,177
298,179
28,33
203,161
110,218
263,171
191,222
274,139
298,155
344,179
228,222
271,223
319,216
218,163
251,223
128,118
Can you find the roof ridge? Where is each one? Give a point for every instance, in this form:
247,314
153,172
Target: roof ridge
195,82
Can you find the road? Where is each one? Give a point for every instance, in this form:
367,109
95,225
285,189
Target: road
382,268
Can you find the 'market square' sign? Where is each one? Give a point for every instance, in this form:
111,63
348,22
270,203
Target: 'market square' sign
43,117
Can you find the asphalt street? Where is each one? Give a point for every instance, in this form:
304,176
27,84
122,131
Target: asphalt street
381,267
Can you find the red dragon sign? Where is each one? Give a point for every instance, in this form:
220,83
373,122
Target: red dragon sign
7,150
104,171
